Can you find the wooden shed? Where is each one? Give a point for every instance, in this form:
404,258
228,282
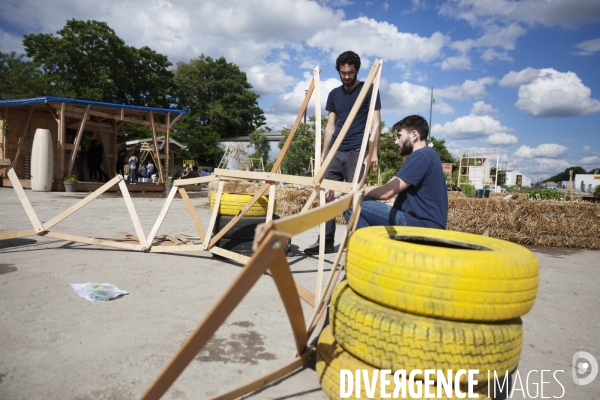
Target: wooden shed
69,120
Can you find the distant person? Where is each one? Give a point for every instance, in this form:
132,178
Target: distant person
143,172
92,161
132,170
204,172
150,170
420,184
304,171
138,154
79,157
102,177
121,159
192,174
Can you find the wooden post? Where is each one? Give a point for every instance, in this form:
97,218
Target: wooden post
61,141
78,140
318,145
22,138
158,161
166,146
35,221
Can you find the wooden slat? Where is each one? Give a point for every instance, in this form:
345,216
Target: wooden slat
271,206
266,378
167,143
318,145
93,241
213,217
242,259
81,203
132,213
17,234
345,187
174,240
78,140
214,319
176,119
193,214
174,248
22,138
14,180
321,262
161,216
161,176
61,140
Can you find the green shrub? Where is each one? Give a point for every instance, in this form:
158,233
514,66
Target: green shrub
545,194
597,190
468,190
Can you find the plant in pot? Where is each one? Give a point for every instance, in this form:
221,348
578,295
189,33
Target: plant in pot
70,183
168,186
597,191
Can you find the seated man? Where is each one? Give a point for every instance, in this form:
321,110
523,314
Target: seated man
192,174
420,184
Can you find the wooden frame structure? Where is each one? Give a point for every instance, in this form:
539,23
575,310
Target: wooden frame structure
469,157
269,242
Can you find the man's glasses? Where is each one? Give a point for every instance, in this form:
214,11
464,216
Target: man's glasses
347,73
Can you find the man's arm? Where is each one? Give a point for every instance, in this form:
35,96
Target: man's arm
376,129
329,129
387,191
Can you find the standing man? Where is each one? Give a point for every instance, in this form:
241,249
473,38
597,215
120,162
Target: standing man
339,104
420,184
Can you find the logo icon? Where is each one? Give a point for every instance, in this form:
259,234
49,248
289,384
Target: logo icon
584,368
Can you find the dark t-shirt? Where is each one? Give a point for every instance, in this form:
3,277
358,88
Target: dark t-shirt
341,104
425,201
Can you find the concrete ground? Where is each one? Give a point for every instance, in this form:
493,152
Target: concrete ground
56,345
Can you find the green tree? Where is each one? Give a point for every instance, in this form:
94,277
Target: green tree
87,60
388,157
301,150
219,102
501,176
258,140
564,176
20,78
439,145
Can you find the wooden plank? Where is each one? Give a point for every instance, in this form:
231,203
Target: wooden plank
61,140
310,200
266,378
78,140
318,145
161,216
93,241
234,294
129,236
193,214
167,144
242,259
176,119
321,261
17,234
161,176
345,187
213,217
368,129
53,113
175,248
81,203
134,217
193,181
22,138
14,180
183,239
174,240
271,206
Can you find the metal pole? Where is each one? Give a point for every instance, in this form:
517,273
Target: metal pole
306,91
430,110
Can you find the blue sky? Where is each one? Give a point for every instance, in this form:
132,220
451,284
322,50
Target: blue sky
516,75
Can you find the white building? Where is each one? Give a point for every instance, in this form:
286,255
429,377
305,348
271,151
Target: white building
585,182
513,176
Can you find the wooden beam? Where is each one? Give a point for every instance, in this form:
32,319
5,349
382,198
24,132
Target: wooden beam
134,217
17,234
175,249
53,113
14,180
271,205
193,214
161,216
78,140
83,202
161,177
317,79
61,140
93,241
321,261
238,289
22,138
213,217
167,144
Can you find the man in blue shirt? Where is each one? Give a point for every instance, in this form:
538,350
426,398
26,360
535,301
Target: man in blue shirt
420,184
339,104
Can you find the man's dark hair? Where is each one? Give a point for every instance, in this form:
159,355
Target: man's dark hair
195,168
348,57
413,123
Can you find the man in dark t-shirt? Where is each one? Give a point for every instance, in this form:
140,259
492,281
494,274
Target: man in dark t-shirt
420,184
339,104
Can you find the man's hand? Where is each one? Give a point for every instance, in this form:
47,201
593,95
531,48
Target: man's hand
331,195
374,161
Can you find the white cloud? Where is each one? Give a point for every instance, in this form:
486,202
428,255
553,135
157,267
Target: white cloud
406,98
10,42
481,108
592,160
468,89
586,148
457,62
469,127
491,54
524,77
589,47
549,150
377,39
551,93
502,139
566,13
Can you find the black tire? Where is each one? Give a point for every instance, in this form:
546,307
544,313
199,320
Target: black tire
240,246
244,229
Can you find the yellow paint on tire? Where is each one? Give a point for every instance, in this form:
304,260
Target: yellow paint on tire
231,204
443,274
391,339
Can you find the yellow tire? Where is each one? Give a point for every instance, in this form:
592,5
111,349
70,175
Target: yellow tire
331,358
231,204
392,339
442,274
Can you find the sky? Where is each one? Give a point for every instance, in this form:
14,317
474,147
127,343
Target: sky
521,76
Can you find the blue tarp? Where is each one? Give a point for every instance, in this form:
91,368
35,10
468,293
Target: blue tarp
47,99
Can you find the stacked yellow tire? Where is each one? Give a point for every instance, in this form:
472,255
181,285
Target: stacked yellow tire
419,298
232,203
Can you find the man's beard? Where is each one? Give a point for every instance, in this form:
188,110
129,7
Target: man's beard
351,83
407,148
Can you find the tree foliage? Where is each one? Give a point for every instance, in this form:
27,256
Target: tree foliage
219,102
501,176
20,78
564,176
301,150
87,60
439,145
258,140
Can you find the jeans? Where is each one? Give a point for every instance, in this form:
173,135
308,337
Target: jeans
340,169
375,213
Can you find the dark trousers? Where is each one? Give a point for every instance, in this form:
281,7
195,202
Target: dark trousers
341,169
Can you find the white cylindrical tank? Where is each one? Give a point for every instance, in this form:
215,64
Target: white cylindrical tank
42,161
